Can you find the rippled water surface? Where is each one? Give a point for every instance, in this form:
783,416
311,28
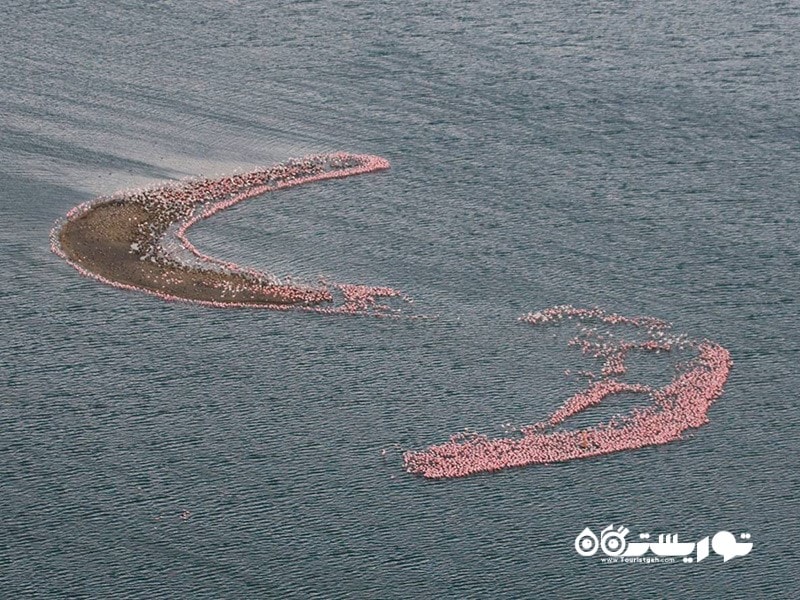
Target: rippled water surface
640,156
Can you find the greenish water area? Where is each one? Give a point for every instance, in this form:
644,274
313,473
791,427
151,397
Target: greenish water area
642,157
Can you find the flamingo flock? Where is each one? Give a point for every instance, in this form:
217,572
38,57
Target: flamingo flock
681,405
172,209
159,238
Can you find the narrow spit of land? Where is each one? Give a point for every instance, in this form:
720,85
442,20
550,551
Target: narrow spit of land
129,240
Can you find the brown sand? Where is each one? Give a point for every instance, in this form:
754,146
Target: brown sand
100,242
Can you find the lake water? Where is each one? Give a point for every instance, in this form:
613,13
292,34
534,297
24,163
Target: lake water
639,156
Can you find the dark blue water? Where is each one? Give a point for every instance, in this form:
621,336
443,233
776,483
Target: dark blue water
641,156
